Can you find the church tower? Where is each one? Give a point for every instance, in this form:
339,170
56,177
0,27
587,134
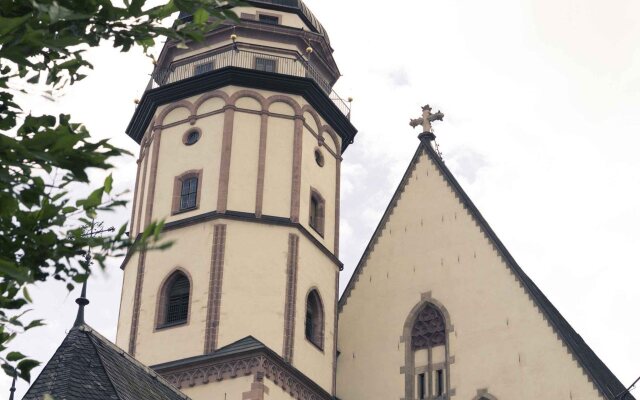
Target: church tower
241,139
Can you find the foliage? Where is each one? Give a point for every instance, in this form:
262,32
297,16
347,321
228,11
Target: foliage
44,158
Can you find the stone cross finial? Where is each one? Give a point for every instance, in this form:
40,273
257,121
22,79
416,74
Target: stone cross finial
426,119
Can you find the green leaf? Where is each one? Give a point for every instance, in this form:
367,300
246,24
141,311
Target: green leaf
15,356
25,367
14,271
26,294
9,24
201,16
108,184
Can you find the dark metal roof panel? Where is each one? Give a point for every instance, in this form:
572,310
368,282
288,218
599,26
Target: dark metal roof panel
296,6
87,366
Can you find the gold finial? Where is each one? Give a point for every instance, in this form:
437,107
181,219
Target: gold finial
137,101
234,37
309,49
349,99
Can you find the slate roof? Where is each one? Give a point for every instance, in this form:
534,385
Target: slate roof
244,345
87,366
295,6
602,377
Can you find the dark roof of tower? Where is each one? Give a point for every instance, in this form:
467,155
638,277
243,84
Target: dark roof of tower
294,6
298,6
602,377
87,366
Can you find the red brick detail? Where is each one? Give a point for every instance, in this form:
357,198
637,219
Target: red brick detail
215,288
290,298
137,298
225,161
296,169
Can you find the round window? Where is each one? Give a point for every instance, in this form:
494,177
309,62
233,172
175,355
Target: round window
191,137
319,157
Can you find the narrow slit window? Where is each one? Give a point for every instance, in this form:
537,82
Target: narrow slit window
316,212
439,382
422,392
314,320
189,193
265,64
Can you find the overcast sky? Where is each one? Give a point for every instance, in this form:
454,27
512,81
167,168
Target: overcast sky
542,129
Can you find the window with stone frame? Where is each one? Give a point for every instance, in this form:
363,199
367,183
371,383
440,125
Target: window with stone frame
429,337
316,212
314,320
174,301
186,191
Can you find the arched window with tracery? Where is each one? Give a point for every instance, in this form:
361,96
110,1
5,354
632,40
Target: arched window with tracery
174,301
314,319
427,354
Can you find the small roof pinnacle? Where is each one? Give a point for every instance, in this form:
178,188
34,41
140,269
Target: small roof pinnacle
81,301
13,385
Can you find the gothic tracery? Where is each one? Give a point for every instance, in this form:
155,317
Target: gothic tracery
428,329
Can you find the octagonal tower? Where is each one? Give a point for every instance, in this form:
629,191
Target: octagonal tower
241,138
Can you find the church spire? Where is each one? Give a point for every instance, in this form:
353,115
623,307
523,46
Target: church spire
13,384
81,301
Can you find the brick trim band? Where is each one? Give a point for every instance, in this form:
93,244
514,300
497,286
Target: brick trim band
137,298
290,298
215,287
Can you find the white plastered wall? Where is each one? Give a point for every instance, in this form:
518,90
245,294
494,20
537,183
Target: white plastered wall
431,245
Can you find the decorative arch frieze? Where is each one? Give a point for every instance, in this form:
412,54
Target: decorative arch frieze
248,93
211,95
179,104
259,365
280,98
316,118
327,129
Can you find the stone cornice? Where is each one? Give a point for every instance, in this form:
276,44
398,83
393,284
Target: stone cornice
249,217
227,76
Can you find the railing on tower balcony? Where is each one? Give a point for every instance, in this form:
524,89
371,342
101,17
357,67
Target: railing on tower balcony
240,58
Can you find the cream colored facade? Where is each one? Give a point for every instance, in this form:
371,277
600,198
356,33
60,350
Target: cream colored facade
248,247
253,252
432,250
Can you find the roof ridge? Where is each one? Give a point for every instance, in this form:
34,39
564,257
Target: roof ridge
89,330
86,329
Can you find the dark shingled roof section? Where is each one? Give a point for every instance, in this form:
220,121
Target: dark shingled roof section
87,366
246,344
296,6
602,377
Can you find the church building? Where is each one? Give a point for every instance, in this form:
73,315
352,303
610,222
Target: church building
241,143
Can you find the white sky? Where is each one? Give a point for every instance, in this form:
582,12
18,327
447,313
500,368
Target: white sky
542,101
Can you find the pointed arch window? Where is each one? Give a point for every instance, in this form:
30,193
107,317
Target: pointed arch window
186,191
316,212
427,352
174,301
314,320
